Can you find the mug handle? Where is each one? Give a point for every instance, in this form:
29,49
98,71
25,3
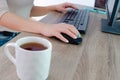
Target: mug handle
8,54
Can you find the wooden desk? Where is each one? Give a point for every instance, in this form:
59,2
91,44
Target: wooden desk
97,58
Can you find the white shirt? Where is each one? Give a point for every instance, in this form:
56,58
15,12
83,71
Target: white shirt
19,7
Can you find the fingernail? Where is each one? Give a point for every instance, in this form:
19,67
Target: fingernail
79,35
75,37
67,41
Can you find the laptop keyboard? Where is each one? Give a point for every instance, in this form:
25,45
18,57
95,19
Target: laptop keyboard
78,18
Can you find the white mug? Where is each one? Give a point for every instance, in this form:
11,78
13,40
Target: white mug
30,65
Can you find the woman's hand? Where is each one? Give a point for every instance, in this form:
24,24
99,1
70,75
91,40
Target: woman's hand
63,7
56,29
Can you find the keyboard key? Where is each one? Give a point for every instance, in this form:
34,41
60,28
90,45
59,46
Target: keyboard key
72,22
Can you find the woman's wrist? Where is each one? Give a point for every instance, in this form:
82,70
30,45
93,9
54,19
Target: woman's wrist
51,8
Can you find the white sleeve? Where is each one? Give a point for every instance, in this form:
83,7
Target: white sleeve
3,7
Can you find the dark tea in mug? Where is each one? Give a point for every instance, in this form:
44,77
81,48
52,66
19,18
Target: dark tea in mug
33,46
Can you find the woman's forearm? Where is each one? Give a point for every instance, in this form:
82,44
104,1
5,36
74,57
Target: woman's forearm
18,23
39,11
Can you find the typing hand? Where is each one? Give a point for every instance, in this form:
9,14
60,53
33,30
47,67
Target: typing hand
63,7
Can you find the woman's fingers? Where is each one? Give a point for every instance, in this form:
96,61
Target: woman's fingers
68,30
71,34
59,35
73,29
70,5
